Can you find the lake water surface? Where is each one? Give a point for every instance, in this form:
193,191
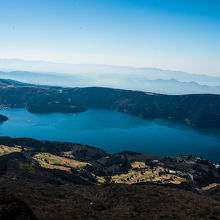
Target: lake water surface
113,132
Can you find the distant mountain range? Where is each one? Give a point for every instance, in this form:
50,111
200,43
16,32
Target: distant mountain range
83,75
91,70
123,81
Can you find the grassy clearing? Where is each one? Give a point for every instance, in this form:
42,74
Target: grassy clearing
7,150
181,179
68,154
138,164
100,179
145,176
210,186
122,177
140,172
51,161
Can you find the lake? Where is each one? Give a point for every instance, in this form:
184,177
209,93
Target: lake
113,132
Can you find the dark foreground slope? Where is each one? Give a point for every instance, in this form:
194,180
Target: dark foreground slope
58,186
200,111
68,201
13,208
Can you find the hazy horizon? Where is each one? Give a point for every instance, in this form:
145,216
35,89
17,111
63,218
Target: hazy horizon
89,75
92,64
169,35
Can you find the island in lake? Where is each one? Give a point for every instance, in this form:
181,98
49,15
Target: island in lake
3,118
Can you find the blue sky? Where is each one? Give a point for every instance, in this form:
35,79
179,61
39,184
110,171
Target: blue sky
169,34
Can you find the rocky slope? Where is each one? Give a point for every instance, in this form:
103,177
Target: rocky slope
72,181
199,111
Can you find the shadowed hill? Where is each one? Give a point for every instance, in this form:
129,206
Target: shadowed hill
13,208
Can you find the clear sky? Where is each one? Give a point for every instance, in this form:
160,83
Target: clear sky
169,34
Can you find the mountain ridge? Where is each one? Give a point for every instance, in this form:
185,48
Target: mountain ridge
170,86
198,111
101,70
